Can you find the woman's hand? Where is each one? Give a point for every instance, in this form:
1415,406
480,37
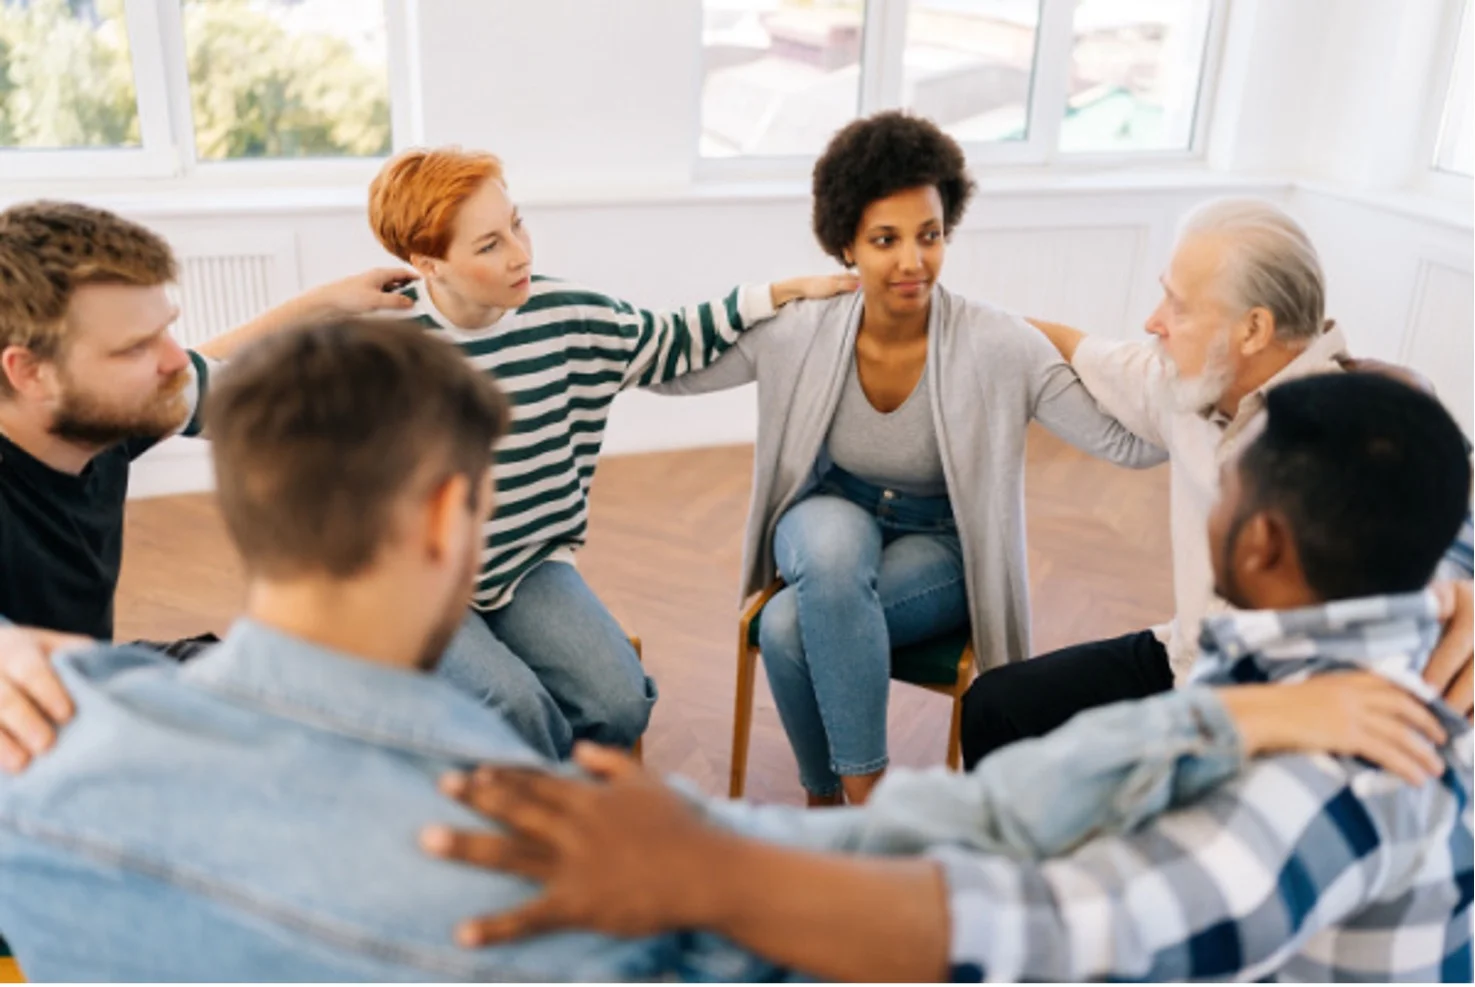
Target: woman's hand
1353,713
622,854
817,286
367,293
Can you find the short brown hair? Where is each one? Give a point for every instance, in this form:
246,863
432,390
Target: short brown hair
317,434
414,199
50,249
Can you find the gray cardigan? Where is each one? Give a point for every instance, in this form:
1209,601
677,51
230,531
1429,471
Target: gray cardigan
990,373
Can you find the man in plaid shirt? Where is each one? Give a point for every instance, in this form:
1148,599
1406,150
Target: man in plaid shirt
1301,867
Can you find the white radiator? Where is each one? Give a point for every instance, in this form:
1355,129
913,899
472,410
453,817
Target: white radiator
223,283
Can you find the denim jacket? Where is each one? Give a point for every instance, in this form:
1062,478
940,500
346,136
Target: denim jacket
1107,771
253,815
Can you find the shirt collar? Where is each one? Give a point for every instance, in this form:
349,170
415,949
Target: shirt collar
1320,355
297,680
419,292
1389,635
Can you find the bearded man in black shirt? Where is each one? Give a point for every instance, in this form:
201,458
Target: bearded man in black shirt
90,379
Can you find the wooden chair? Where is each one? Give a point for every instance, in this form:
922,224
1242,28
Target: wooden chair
9,970
943,664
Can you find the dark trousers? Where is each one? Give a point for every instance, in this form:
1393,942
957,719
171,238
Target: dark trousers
1031,698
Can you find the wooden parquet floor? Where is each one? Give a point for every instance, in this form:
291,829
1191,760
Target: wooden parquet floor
664,554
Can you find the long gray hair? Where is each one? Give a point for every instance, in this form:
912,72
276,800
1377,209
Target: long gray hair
1270,263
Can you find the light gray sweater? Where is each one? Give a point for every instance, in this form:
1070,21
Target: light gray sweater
989,374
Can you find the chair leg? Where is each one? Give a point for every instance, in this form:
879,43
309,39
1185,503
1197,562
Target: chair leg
955,734
966,671
742,715
638,751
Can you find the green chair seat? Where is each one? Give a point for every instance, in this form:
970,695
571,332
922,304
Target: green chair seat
930,662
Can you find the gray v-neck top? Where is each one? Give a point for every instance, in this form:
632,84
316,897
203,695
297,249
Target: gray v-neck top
897,449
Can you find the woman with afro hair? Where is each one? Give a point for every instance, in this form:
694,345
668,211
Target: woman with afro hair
889,471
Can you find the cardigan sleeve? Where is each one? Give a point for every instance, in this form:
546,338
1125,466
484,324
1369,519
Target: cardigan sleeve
1060,402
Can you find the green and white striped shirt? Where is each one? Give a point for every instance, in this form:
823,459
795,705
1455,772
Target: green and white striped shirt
561,358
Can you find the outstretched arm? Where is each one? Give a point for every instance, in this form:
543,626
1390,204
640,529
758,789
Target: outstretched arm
368,293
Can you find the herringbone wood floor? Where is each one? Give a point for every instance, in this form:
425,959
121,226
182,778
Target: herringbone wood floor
664,554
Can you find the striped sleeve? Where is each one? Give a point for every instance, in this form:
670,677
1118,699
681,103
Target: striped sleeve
661,346
202,368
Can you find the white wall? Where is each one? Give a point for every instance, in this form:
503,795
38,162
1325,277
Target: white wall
1322,105
574,94
1400,285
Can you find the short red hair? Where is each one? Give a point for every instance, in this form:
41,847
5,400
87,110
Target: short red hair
415,197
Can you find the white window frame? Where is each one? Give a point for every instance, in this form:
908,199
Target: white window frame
882,48
166,121
1429,176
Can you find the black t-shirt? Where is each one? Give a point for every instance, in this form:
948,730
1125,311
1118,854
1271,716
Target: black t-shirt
61,538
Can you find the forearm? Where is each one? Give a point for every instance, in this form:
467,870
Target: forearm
1062,337
783,292
1106,771
1066,407
301,312
833,917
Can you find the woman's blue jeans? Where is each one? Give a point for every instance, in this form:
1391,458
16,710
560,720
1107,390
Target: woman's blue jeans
868,570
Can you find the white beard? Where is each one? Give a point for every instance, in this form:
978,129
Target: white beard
1199,393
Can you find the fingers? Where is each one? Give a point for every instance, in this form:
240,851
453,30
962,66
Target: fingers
1449,667
1413,713
605,763
1461,693
1395,748
28,665
540,916
530,803
394,301
13,757
23,724
488,850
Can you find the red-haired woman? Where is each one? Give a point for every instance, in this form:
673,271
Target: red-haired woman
539,645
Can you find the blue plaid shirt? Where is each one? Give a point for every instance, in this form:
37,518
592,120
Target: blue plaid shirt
1301,868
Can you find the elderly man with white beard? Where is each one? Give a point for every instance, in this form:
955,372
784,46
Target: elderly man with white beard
1242,311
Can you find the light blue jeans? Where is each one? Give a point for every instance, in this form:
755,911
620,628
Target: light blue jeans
555,664
868,570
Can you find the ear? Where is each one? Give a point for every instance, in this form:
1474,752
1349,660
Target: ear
27,374
446,517
1259,545
1258,331
1266,556
427,267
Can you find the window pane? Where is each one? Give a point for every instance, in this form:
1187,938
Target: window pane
1455,152
968,65
65,75
287,78
779,76
1134,74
